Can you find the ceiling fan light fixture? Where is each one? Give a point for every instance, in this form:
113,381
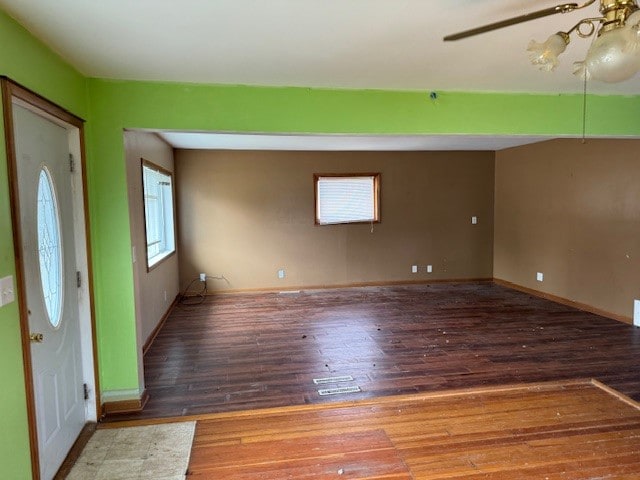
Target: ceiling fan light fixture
545,55
615,55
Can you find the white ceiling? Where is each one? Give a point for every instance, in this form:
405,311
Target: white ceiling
383,44
225,141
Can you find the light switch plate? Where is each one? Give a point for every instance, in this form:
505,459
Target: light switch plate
474,220
636,313
540,276
7,294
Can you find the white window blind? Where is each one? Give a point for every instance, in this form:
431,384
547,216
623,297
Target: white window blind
158,213
347,199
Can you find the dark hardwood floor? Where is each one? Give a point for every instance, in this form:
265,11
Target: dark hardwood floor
250,351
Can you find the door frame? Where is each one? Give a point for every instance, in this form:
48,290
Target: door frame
10,91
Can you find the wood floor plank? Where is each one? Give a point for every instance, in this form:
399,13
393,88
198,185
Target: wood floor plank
366,454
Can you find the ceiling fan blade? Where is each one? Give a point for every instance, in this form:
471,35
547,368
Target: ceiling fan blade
567,7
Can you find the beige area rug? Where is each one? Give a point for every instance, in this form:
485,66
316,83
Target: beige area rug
160,452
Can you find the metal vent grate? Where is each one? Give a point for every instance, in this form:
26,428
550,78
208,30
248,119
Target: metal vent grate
338,390
325,380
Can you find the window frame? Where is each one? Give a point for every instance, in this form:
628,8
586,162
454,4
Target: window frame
163,256
376,196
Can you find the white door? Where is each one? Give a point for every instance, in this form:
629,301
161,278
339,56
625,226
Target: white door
47,228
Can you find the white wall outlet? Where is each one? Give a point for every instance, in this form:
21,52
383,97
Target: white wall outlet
474,220
203,277
540,276
281,273
636,313
429,268
7,293
414,268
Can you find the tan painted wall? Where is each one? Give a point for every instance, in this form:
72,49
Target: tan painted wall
150,287
571,211
245,215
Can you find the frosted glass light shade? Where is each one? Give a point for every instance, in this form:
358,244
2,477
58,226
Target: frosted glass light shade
615,55
546,54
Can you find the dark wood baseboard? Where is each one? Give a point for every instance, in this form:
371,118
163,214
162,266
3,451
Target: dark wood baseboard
564,301
346,285
125,406
72,457
161,323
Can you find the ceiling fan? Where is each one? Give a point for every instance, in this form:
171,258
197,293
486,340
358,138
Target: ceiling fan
614,55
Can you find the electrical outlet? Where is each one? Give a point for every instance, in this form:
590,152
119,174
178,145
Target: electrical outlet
414,268
203,277
636,313
281,273
540,276
429,268
7,294
474,220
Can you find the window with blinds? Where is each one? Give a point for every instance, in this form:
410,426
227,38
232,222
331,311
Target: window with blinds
347,198
158,212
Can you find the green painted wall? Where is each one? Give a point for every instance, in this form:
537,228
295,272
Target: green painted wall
303,110
30,63
116,105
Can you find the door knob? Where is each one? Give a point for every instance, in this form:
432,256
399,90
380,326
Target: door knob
36,337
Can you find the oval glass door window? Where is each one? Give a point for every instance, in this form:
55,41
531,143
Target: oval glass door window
49,248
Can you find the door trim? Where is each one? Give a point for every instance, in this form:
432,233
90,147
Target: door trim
10,91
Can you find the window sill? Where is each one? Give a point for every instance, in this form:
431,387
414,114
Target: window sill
154,262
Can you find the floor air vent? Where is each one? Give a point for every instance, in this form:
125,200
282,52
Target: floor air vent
325,380
338,390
